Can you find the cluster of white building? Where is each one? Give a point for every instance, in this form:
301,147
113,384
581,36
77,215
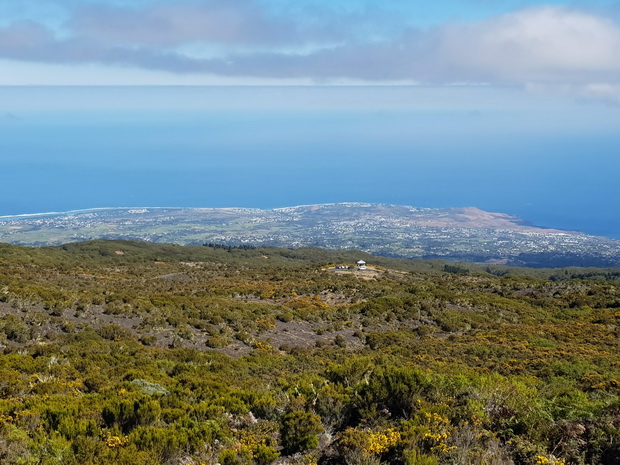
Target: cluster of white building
361,265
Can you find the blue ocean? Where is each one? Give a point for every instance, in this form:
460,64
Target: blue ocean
552,163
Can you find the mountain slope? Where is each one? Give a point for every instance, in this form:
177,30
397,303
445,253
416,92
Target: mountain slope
133,353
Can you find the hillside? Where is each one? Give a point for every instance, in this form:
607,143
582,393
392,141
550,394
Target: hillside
467,234
121,352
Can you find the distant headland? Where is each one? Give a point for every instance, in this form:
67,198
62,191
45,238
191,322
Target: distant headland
464,234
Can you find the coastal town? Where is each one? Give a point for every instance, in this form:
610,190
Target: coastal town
454,234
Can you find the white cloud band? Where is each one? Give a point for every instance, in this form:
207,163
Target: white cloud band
542,46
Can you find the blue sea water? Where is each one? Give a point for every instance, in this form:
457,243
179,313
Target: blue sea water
552,163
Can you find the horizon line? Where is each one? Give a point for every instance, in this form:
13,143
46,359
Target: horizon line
394,85
93,209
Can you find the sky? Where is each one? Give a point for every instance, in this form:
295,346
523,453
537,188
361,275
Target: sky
570,48
508,105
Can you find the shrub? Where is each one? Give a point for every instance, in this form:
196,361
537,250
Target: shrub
14,329
114,332
299,431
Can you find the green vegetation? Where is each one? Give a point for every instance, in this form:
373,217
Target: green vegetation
118,352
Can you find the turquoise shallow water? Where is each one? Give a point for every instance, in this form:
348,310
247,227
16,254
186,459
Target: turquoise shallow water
57,159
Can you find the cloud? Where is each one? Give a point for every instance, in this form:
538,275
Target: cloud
541,47
32,42
174,24
25,40
541,44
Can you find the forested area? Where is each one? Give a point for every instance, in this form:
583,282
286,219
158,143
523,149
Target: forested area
119,352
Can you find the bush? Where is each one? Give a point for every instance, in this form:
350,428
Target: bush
148,340
264,455
114,332
299,431
217,342
96,382
14,329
